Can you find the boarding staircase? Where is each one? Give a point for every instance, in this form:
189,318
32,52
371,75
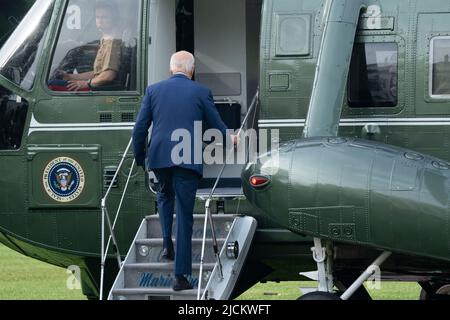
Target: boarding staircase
144,277
220,245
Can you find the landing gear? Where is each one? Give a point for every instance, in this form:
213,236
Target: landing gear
323,256
319,296
434,291
345,281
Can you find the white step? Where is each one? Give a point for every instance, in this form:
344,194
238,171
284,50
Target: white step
153,294
222,225
221,193
150,250
160,275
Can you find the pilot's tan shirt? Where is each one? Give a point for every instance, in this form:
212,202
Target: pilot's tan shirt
108,56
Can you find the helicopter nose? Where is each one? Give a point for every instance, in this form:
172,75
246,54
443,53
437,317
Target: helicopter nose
264,181
260,182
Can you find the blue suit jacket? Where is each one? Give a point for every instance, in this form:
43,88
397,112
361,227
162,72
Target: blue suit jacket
173,104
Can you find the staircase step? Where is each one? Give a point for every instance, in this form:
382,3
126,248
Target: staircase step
222,225
160,275
154,294
150,250
229,193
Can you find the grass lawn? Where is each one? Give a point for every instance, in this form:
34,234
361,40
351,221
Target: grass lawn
23,278
291,291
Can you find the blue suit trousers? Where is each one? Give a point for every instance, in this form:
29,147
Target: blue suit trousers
178,186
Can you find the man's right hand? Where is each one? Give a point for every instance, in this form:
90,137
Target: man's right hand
75,85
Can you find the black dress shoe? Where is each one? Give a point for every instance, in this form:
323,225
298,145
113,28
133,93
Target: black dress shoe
181,283
167,254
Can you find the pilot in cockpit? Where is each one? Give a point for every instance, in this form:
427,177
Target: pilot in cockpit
107,60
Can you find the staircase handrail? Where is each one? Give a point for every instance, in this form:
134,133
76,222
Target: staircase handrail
105,216
208,208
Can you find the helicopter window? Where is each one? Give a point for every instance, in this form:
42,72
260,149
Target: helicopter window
373,76
97,47
19,55
290,27
440,61
13,113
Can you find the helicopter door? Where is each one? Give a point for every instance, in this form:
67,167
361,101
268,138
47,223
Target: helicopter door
19,60
92,90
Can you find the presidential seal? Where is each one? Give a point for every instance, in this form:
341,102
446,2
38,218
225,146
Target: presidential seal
63,179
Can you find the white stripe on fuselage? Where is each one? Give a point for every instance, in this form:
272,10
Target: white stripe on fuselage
299,123
36,126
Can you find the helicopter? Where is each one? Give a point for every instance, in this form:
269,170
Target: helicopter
355,93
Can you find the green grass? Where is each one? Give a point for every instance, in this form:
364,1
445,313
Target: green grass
291,291
23,278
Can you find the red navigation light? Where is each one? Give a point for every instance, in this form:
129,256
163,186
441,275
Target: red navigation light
259,181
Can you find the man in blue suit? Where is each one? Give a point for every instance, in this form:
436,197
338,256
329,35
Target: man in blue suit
171,105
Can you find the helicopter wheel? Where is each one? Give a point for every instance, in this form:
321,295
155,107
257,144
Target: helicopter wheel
319,296
434,291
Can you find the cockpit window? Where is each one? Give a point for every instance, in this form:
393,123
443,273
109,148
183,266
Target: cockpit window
19,55
97,47
373,77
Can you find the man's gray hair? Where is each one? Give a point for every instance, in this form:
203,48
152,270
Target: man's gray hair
182,61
